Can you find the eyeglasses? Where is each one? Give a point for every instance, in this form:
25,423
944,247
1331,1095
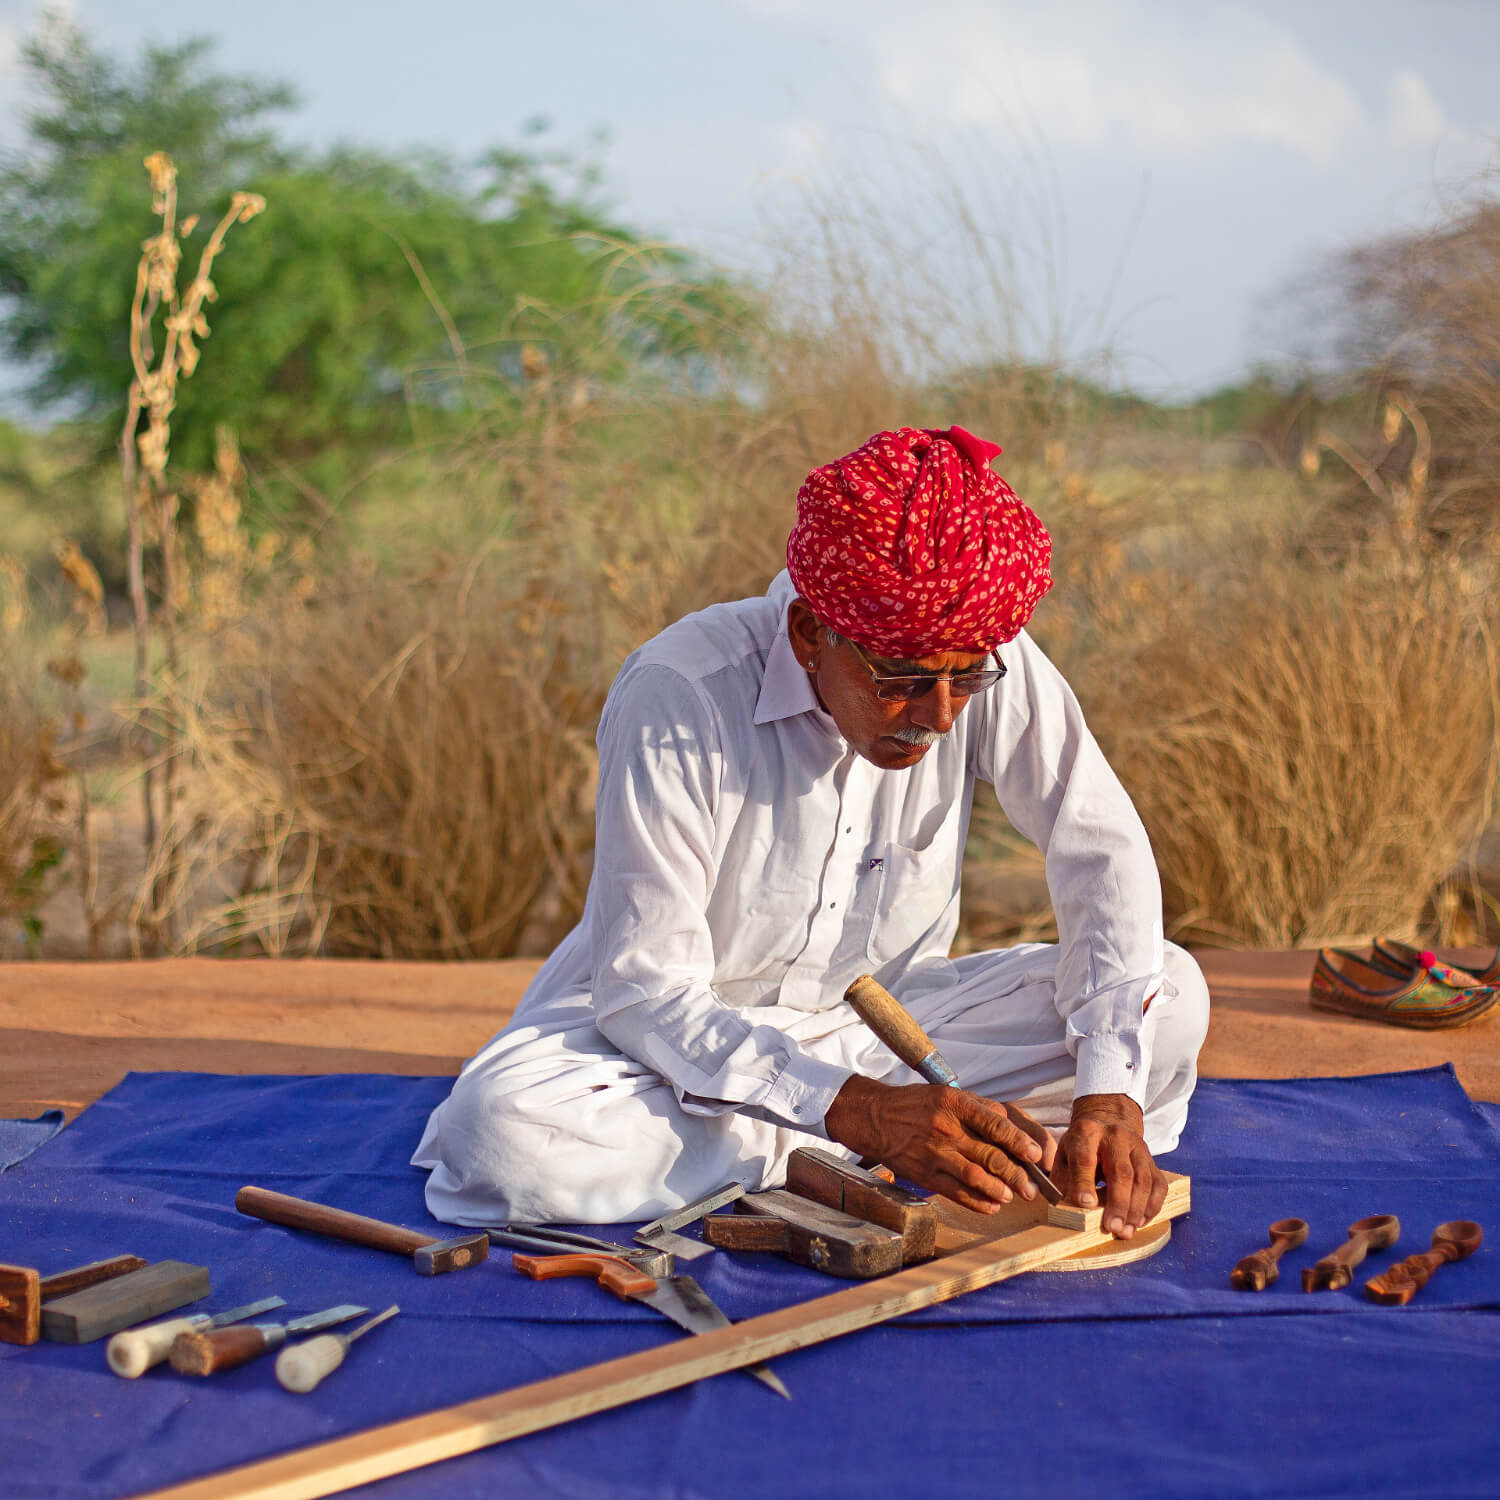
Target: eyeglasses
903,689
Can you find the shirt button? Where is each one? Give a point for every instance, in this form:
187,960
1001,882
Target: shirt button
831,905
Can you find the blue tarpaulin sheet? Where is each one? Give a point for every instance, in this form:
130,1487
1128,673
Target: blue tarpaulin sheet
19,1138
1151,1379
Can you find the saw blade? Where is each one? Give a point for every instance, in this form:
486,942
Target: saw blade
681,1299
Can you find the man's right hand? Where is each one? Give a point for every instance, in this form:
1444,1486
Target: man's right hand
941,1138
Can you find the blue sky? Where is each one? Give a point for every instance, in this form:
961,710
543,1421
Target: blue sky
1155,171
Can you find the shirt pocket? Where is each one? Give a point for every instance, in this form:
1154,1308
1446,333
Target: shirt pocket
918,892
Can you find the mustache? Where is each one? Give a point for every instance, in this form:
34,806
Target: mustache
921,738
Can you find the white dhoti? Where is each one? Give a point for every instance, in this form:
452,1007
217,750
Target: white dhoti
552,1124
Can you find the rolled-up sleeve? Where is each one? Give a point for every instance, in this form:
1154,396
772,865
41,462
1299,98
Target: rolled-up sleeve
660,800
1055,786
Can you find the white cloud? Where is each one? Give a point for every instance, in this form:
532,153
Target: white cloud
1123,75
1126,75
1416,118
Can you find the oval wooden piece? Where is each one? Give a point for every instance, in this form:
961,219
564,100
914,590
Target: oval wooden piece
1144,1242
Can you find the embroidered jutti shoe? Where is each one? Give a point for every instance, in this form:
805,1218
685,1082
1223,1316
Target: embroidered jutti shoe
1345,982
1401,959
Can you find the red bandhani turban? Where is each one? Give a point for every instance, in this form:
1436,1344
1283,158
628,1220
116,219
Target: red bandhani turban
913,545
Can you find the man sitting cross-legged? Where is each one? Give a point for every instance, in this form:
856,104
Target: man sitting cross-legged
784,792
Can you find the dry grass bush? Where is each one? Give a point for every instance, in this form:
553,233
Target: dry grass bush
32,832
1421,315
1313,752
410,774
401,763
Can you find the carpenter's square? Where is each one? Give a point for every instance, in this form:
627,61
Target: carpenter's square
659,1234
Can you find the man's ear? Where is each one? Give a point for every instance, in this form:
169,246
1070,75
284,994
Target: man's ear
805,633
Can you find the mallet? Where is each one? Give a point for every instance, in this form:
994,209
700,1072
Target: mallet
430,1256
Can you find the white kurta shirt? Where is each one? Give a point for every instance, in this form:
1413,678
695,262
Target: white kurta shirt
747,856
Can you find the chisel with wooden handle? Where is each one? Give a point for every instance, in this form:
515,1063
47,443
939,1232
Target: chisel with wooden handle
133,1351
890,1020
430,1255
225,1348
299,1367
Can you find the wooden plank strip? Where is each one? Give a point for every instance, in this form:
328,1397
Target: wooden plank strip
397,1447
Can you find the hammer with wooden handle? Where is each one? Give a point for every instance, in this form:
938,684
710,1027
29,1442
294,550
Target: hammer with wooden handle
431,1256
890,1020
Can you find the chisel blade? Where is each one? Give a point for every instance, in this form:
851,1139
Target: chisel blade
325,1319
681,1299
249,1310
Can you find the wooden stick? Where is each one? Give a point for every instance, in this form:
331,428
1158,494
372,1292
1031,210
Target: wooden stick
397,1447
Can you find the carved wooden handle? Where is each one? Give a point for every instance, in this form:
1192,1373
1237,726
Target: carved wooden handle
299,1213
1257,1271
1337,1270
619,1276
1396,1286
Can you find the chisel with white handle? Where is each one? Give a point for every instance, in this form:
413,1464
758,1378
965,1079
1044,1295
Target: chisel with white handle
133,1351
299,1367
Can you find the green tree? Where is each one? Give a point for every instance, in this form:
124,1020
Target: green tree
376,295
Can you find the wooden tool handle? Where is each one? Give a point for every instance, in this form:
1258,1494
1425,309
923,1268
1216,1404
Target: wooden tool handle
62,1282
133,1351
222,1348
298,1213
885,1015
619,1276
299,1367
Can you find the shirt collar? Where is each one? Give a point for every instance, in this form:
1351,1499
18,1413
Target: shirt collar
785,689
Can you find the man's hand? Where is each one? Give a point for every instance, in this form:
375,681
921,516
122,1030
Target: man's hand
1105,1139
942,1138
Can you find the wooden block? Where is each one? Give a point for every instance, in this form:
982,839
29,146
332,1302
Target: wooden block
826,1239
20,1304
733,1231
23,1290
1066,1216
826,1179
81,1317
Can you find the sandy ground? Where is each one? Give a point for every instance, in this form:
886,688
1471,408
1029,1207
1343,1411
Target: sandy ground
69,1031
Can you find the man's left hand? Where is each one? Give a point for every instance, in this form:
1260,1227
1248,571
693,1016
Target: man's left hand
1104,1139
